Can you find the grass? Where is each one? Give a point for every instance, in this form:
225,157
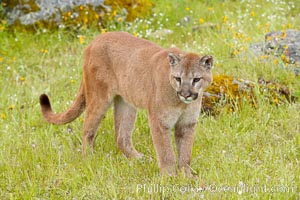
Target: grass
251,153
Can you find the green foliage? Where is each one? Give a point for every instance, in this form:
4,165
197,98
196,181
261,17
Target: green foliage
2,11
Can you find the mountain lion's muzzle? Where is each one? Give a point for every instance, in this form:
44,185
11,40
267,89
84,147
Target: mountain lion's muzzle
186,95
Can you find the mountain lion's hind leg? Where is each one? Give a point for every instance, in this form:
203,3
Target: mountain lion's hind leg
96,108
125,116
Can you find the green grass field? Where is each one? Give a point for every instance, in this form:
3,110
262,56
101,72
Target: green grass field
250,153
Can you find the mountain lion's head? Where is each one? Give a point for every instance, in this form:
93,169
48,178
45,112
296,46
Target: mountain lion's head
190,75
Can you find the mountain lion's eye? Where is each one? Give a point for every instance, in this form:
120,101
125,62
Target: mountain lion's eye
178,79
196,80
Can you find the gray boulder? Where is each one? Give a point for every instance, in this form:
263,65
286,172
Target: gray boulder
284,44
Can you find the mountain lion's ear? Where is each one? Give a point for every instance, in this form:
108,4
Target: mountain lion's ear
173,59
207,61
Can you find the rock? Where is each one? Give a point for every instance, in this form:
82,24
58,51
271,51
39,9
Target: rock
31,12
229,93
284,44
71,14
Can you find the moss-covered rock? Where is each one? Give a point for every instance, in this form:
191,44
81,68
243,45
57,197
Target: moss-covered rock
228,93
37,14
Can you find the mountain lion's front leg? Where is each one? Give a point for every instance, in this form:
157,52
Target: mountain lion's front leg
161,136
184,138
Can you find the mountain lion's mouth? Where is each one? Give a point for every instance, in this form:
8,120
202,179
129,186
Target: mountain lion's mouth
188,99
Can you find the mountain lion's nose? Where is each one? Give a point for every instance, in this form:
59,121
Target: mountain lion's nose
185,94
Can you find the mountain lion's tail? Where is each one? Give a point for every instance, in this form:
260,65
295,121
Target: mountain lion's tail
69,115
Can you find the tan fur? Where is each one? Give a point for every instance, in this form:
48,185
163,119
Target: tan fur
136,73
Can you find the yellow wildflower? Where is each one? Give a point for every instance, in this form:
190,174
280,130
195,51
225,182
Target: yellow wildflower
283,34
1,59
135,34
3,116
269,38
201,21
44,50
81,39
120,19
2,24
248,39
236,35
22,78
104,30
289,25
276,101
252,13
11,107
81,7
187,8
284,58
275,61
225,19
235,52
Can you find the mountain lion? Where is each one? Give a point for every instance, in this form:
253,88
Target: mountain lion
135,73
